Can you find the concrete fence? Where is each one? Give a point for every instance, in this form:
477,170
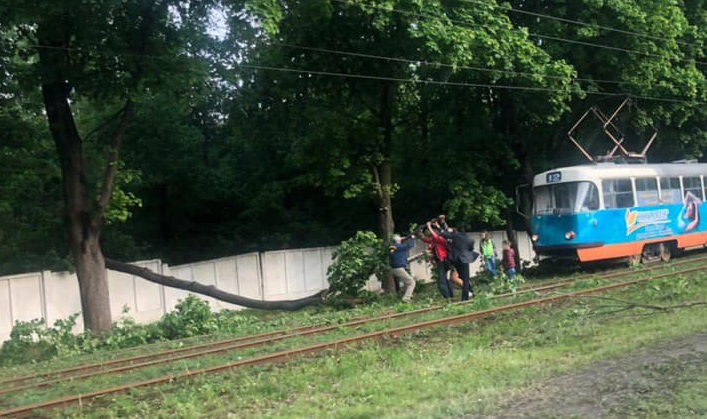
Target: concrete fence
268,276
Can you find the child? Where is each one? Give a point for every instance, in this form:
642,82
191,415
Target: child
508,260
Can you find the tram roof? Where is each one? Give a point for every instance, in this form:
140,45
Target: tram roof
601,171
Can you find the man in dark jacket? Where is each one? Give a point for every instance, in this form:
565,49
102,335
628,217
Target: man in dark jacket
461,254
398,258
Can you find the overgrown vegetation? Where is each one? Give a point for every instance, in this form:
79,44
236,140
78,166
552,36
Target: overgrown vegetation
33,341
467,370
503,284
354,262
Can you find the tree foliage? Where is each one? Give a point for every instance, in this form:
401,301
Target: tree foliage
264,124
354,262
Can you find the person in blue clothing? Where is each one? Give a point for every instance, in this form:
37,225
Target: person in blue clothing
398,258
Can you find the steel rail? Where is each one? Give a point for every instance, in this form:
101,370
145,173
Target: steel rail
617,272
283,356
99,367
211,348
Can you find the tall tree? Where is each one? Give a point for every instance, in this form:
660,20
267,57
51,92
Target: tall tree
652,49
75,51
346,87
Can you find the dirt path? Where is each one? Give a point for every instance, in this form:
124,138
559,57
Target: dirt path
618,388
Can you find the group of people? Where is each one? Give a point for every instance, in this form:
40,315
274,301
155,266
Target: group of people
452,251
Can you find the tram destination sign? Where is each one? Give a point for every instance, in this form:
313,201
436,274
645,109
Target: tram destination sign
553,177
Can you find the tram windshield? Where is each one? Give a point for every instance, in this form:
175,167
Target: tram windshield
566,198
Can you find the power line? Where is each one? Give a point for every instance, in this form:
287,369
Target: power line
401,80
438,64
580,23
457,84
425,62
531,34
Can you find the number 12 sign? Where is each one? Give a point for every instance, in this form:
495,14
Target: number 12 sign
553,177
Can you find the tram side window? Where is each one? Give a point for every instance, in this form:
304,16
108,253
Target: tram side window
647,192
670,190
618,193
692,185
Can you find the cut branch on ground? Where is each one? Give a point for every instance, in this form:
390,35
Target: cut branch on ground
624,305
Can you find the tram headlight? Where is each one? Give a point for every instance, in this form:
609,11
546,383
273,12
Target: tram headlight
534,237
570,235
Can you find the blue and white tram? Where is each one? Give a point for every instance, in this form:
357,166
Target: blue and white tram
608,210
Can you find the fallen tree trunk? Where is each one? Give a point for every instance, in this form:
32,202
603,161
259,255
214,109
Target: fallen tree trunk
211,291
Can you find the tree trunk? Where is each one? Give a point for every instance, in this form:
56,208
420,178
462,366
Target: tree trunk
513,128
211,291
84,217
83,235
382,172
386,225
513,238
93,282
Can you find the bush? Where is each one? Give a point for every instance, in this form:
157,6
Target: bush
355,260
192,317
32,341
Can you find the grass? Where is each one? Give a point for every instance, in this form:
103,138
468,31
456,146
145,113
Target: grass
449,371
467,370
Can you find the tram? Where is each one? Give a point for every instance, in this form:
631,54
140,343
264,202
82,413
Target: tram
610,210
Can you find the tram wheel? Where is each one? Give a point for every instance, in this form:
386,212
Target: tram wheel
665,252
635,260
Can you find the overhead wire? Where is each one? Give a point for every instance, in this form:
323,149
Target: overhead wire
482,25
428,63
516,30
462,84
580,23
530,34
439,64
402,80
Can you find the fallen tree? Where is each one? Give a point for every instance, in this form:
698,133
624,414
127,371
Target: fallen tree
211,291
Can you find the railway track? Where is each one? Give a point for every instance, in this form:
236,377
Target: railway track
122,365
126,364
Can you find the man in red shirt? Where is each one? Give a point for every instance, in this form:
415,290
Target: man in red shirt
438,245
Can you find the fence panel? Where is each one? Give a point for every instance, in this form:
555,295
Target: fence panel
277,275
296,273
6,319
250,283
21,299
173,295
274,276
62,297
239,275
144,300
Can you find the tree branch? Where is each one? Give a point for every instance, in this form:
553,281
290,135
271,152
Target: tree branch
112,165
211,291
377,177
624,305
